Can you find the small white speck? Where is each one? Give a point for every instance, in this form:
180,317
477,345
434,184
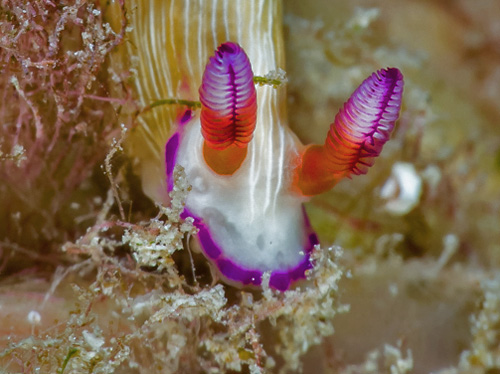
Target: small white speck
393,289
34,317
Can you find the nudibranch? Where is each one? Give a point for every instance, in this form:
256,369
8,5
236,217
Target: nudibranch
250,174
247,193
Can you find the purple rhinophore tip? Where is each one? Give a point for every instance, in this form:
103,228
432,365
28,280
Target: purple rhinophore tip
365,123
228,98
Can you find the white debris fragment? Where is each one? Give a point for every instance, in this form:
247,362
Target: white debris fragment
34,318
432,177
93,341
451,243
363,17
402,190
394,360
278,74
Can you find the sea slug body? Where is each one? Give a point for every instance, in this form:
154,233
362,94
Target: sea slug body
246,229
250,174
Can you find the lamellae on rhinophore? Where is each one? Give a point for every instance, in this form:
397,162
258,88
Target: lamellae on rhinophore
364,124
228,98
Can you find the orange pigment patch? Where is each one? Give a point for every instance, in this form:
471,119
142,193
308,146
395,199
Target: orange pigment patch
224,161
313,175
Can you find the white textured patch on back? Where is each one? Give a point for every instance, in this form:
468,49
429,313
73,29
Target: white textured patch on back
252,215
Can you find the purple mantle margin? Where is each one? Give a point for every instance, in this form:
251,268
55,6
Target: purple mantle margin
281,279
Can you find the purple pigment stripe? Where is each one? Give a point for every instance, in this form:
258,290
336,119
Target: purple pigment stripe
171,149
186,117
280,279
